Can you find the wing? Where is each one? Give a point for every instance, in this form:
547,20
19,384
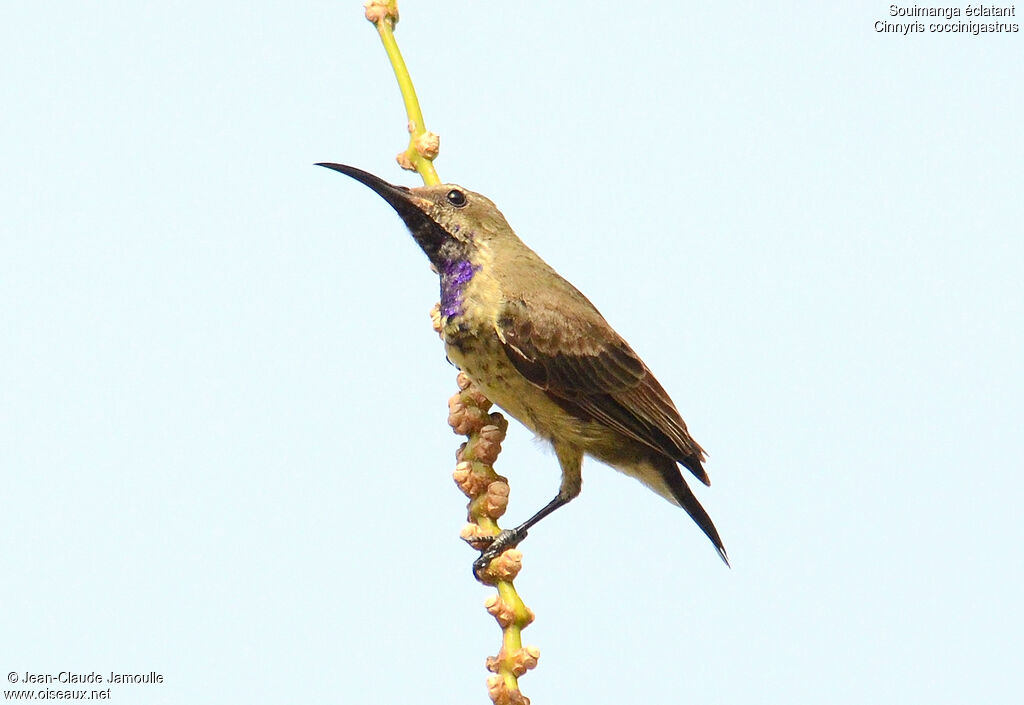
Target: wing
583,361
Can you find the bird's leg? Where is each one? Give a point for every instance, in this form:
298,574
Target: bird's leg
510,538
571,461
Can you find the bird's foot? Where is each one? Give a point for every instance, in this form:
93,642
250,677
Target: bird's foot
509,538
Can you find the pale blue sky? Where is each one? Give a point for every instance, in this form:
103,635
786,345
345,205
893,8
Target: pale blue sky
224,451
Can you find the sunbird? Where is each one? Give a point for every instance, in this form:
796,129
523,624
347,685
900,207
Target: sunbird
541,351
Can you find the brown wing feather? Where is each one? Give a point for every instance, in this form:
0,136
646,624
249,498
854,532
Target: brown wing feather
583,361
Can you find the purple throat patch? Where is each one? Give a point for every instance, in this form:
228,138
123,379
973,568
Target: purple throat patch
455,275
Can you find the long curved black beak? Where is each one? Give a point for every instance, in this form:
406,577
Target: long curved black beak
399,197
411,207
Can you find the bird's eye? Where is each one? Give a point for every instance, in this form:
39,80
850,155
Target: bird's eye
457,198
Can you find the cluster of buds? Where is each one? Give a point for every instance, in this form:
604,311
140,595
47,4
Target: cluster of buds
427,144
501,694
469,414
518,662
377,11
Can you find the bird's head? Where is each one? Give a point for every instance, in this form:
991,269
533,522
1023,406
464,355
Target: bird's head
450,223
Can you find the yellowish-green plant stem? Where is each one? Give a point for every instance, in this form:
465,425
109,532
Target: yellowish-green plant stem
422,163
511,639
488,493
512,635
509,609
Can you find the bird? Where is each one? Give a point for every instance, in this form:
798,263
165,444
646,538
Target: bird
540,350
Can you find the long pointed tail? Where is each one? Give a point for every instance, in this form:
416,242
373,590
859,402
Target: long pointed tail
669,471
